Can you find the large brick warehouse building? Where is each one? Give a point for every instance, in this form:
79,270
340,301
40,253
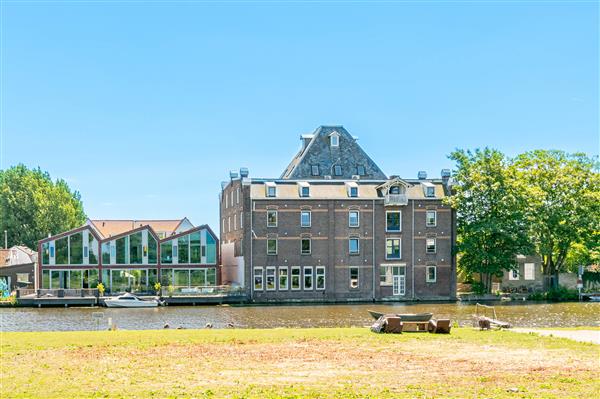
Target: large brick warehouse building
334,227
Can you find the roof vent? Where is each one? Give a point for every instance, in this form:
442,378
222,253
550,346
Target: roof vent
233,174
445,173
327,177
422,175
244,172
355,177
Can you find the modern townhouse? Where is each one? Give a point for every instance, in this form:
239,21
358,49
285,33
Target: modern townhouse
334,227
129,256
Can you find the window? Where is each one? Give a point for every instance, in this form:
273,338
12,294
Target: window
395,190
235,221
320,274
337,170
135,248
62,251
295,278
271,246
305,246
24,277
353,192
354,277
430,191
314,170
308,277
431,274
353,246
241,220
283,278
393,221
76,249
105,249
271,190
271,279
229,223
353,218
334,140
305,191
237,196
271,218
45,254
166,252
431,218
231,197
258,279
392,248
222,227
514,274
152,249
387,273
529,269
430,245
360,170
305,219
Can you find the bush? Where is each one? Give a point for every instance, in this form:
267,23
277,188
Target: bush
478,288
556,295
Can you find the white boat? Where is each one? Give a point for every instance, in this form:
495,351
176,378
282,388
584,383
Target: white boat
595,298
131,301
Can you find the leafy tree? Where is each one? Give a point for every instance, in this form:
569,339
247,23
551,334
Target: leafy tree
33,206
490,213
563,204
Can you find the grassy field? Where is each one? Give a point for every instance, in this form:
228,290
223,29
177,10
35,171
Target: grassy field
329,363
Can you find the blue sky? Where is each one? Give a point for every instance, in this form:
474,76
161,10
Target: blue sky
144,107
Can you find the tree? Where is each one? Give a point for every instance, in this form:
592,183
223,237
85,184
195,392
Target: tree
563,204
33,206
489,205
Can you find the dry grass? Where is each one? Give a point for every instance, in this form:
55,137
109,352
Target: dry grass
295,363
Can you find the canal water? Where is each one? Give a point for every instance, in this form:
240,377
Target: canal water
519,314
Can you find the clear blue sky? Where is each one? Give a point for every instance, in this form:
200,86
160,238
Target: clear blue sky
145,107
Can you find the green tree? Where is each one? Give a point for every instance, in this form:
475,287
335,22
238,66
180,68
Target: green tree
563,204
33,206
489,206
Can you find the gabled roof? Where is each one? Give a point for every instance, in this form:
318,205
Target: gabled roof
348,154
393,182
110,228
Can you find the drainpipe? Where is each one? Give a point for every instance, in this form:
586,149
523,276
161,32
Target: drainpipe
413,250
373,239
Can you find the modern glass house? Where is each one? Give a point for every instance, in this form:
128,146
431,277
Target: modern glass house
130,256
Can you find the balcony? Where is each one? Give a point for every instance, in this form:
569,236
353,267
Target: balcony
396,199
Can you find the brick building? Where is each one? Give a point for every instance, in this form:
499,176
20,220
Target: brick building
334,227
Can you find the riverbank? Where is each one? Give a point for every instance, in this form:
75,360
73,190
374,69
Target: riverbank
320,362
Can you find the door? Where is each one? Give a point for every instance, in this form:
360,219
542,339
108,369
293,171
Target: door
399,284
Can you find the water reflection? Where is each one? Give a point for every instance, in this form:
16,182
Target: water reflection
62,319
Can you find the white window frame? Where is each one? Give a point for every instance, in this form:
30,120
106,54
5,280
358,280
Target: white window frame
268,186
529,271
312,278
238,195
241,220
276,246
334,139
427,224
232,198
276,218
430,192
312,170
399,247
319,269
309,246
273,270
301,187
427,279
350,218
357,252
228,223
235,221
357,277
514,274
399,222
287,278
427,250
299,278
262,278
309,218
334,169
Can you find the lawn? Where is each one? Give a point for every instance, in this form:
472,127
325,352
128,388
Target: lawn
328,363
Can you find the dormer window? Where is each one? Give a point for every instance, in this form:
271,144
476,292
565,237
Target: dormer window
431,191
360,170
337,170
334,139
304,189
271,189
314,170
352,189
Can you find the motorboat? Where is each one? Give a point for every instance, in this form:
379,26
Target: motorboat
131,301
422,317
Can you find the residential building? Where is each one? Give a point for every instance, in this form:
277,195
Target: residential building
130,256
334,227
17,266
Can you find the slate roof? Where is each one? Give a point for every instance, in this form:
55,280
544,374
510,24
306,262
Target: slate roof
318,151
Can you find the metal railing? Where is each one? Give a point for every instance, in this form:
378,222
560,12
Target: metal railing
57,293
209,290
396,199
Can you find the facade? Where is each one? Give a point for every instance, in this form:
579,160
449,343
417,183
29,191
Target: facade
334,227
526,277
130,256
17,266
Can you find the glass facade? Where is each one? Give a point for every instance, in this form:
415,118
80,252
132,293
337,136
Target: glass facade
121,246
62,251
152,250
183,255
92,249
76,249
135,248
105,253
45,253
166,252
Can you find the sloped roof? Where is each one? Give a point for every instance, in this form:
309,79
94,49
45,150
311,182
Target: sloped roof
348,154
109,228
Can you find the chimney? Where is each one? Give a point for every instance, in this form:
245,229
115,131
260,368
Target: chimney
422,175
244,172
445,176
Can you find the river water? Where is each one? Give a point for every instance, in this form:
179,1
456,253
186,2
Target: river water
519,314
